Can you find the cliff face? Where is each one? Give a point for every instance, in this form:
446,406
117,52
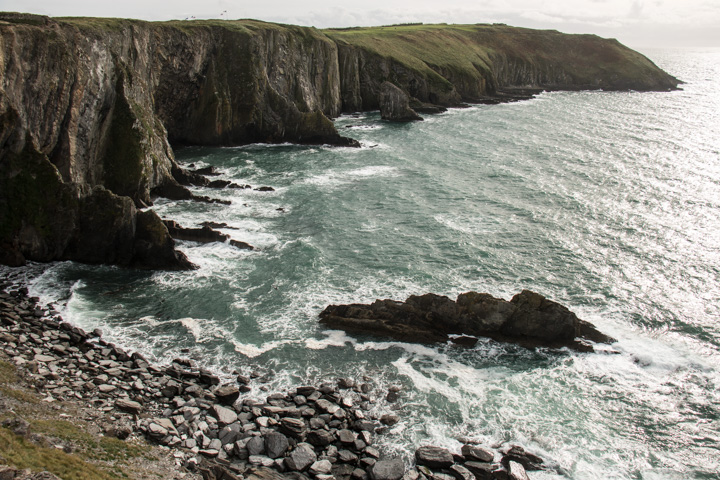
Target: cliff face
90,107
230,84
94,103
449,64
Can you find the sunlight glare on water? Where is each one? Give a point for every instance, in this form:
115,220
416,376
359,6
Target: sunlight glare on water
606,202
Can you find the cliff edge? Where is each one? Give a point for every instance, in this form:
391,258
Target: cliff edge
90,107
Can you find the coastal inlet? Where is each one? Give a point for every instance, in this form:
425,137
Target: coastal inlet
605,202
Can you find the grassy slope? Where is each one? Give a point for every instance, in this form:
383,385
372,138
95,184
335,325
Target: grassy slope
94,457
417,46
472,49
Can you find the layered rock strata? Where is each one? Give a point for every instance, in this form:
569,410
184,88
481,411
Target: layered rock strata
529,319
88,103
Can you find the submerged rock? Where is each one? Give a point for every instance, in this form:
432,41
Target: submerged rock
529,319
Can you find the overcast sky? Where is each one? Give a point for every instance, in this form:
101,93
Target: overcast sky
638,23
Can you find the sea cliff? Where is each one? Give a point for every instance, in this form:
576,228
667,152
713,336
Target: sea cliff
89,108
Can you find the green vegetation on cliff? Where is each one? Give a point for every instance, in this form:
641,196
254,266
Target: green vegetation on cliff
479,60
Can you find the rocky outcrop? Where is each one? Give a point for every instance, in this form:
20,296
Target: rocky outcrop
529,319
205,234
395,104
43,218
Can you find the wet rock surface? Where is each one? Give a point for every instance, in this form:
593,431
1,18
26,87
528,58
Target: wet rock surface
529,319
395,104
204,234
326,431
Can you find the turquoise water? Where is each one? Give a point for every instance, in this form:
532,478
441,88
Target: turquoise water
606,202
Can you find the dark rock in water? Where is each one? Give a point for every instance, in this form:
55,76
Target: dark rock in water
393,469
219,184
472,452
518,454
482,471
529,319
202,235
516,472
217,225
154,246
434,457
265,189
389,419
427,108
395,104
464,340
241,245
227,394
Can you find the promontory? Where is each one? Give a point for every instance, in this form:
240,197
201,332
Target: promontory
91,108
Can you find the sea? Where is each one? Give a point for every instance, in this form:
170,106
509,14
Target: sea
607,202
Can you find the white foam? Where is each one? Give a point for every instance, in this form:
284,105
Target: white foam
252,351
334,338
339,177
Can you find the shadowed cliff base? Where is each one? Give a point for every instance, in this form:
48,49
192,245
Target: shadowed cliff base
88,103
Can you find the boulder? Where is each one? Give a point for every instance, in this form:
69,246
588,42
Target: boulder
224,415
481,470
276,444
434,457
128,406
301,457
395,104
227,394
472,452
461,473
321,467
392,469
516,471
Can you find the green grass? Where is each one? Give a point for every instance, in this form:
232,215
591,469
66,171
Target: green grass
21,453
7,373
8,377
466,52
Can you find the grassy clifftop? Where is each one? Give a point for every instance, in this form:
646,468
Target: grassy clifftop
478,60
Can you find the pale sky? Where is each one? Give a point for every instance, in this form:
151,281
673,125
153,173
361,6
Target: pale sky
637,23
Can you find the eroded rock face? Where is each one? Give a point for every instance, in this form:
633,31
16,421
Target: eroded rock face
88,103
529,319
395,104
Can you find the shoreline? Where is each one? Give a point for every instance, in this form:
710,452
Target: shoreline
211,428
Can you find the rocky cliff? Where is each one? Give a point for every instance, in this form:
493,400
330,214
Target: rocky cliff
450,64
89,107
